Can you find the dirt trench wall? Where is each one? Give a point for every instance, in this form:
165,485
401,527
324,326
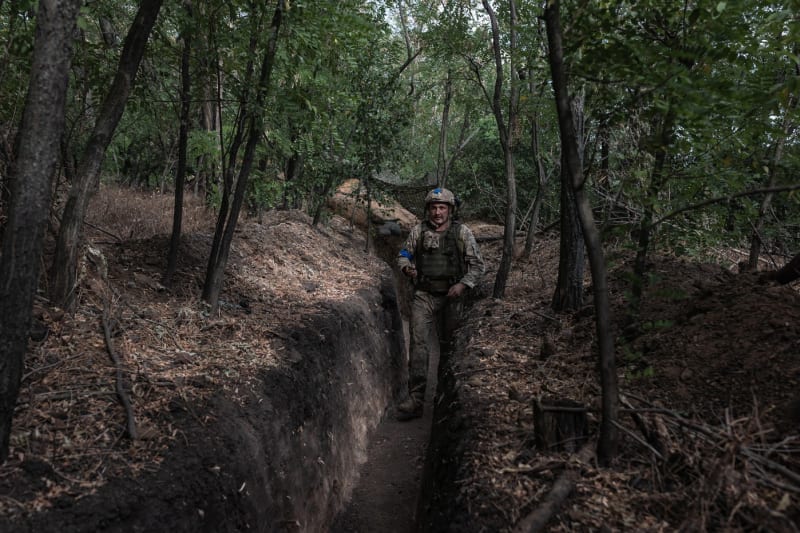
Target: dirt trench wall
443,507
285,458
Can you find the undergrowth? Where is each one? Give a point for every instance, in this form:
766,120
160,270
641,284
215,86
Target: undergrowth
123,213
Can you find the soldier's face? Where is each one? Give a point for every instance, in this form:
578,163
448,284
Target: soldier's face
438,213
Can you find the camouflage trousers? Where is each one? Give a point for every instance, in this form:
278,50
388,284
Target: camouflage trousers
433,319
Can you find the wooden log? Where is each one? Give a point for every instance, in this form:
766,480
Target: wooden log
562,488
789,272
559,424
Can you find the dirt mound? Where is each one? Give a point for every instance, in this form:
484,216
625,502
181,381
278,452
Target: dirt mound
253,417
706,373
716,345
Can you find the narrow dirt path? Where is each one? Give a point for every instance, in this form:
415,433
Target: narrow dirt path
385,499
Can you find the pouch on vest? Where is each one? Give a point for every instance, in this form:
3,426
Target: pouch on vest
438,261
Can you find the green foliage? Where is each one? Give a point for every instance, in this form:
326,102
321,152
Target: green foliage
645,373
203,149
660,324
636,366
264,193
214,195
706,75
17,27
719,78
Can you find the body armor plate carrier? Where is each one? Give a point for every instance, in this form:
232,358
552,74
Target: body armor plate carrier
439,261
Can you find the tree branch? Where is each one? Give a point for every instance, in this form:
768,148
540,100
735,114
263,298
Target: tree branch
562,488
721,199
122,394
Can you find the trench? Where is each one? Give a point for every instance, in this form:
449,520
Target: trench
386,495
314,447
287,456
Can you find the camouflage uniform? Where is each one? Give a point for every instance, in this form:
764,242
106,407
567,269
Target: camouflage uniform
432,311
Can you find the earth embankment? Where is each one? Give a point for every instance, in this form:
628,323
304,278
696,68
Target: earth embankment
257,422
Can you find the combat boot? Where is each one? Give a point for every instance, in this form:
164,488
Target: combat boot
409,408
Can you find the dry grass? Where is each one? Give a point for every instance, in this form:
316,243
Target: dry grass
125,214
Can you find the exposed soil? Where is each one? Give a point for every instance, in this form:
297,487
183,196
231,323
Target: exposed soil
251,418
387,495
710,367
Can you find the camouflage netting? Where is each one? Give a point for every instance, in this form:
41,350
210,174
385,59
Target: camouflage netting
410,195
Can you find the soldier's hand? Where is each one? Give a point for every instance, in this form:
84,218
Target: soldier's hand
456,290
410,271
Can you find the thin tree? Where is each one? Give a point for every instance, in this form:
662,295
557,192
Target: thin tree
658,179
542,179
506,132
775,159
183,141
63,272
608,442
542,176
37,154
253,123
229,167
441,159
444,162
568,295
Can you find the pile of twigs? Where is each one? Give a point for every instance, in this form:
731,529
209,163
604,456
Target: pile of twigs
734,475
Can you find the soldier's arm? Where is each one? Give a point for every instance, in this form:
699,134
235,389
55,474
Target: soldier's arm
472,259
405,258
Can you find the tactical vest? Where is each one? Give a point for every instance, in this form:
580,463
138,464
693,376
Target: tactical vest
439,260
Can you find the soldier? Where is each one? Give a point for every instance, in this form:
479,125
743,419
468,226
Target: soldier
442,259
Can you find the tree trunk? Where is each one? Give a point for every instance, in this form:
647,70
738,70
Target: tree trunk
568,295
37,154
533,221
183,141
229,166
255,126
542,179
788,272
63,272
646,225
293,173
608,442
510,230
758,228
506,132
441,162
368,187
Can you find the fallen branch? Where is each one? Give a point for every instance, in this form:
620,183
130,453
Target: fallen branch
537,469
638,439
716,436
101,230
544,315
772,465
122,394
489,368
562,488
653,439
25,377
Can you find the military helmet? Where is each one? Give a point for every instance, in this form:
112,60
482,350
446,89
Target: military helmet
442,196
